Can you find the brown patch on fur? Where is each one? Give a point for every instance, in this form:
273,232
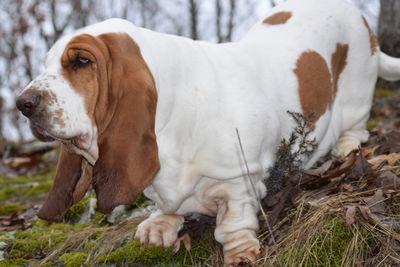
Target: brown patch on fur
278,18
57,118
120,97
373,41
60,197
87,79
48,97
315,89
338,62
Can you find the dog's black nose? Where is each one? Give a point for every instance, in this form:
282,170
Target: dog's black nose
27,103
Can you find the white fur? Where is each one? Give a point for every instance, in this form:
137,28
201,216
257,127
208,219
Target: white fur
70,102
207,91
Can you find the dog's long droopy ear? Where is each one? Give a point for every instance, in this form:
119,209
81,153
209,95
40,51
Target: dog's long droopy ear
128,155
68,186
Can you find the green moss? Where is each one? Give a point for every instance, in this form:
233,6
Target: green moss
65,227
43,238
42,185
38,189
132,252
4,180
326,248
331,243
200,250
14,263
95,236
371,124
78,209
6,193
384,93
74,259
140,202
41,223
90,246
7,209
100,218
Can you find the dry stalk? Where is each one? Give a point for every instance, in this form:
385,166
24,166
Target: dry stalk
258,198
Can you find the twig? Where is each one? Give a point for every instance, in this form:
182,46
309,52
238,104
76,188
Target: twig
258,199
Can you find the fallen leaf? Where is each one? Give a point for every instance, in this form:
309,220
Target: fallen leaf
350,215
388,180
19,162
318,172
369,152
365,212
375,203
351,159
20,219
349,187
391,160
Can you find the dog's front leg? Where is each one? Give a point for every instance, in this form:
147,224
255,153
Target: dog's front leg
159,230
237,224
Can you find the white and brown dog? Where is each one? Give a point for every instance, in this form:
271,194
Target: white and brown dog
157,113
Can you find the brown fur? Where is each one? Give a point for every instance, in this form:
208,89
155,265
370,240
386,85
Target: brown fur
60,197
278,18
128,154
338,62
373,41
316,91
84,182
120,98
314,79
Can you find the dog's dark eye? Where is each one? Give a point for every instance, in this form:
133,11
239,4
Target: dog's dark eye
80,62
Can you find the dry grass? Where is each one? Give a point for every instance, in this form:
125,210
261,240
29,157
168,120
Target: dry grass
110,237
315,234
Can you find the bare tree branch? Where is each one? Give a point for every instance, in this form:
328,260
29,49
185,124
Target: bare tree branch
194,19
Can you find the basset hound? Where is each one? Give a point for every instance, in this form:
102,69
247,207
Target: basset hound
139,111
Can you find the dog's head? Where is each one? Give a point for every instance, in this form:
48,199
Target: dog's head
97,96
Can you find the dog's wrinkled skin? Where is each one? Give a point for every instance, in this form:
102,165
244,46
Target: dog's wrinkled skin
159,113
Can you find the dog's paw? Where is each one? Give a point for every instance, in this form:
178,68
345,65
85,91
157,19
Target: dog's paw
243,248
349,141
159,230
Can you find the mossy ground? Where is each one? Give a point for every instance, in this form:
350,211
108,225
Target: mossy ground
20,189
71,243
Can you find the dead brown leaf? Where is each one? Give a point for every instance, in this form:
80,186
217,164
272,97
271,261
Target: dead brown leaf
350,215
365,212
19,162
390,159
375,203
319,172
388,180
19,219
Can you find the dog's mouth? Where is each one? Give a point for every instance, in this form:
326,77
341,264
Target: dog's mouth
45,136
41,134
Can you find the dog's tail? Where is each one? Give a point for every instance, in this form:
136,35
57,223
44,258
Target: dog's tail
389,67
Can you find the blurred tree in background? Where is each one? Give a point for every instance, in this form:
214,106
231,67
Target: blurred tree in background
389,27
